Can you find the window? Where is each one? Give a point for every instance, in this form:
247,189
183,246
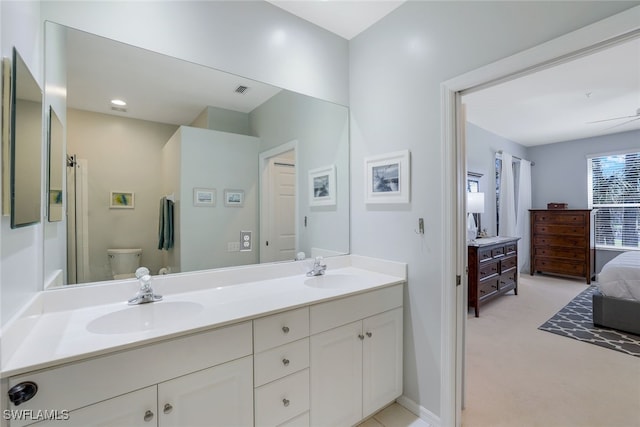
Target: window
614,191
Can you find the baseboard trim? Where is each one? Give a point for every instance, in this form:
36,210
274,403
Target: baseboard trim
427,416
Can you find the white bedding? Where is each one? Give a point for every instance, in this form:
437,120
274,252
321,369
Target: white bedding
620,277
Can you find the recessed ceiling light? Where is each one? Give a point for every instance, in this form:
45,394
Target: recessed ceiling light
118,102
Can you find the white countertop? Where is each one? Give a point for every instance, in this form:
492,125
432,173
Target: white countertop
57,327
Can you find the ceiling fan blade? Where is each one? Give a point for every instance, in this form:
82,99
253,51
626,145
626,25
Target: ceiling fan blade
615,118
624,123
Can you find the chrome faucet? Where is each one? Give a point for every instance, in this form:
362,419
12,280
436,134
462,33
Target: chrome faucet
318,267
145,294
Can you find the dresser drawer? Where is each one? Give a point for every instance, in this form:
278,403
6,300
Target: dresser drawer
558,252
560,218
511,248
508,279
488,287
484,255
282,400
272,331
564,230
560,267
508,263
278,362
567,241
488,270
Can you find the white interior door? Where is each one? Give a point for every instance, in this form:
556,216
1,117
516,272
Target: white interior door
278,207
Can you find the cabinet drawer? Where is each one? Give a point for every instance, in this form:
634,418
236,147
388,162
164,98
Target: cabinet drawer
497,252
488,270
281,361
107,376
484,255
281,328
488,287
564,230
329,315
299,421
508,263
282,399
511,248
560,218
508,279
564,241
556,252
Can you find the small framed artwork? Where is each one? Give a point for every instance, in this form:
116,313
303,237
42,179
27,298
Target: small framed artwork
122,200
322,186
234,198
387,178
204,197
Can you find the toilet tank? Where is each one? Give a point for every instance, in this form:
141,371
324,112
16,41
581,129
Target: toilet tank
124,261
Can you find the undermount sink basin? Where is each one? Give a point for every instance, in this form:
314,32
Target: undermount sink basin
333,281
143,317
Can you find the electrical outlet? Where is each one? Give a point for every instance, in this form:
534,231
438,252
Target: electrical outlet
233,246
245,241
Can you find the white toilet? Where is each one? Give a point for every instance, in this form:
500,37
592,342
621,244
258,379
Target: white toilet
124,262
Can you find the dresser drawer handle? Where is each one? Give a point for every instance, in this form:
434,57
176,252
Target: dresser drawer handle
285,402
285,329
285,362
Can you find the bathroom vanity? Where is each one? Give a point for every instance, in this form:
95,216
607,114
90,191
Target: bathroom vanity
261,345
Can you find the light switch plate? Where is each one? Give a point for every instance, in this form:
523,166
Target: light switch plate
245,241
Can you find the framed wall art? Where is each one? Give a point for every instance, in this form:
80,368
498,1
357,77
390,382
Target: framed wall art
234,198
205,197
387,178
122,200
322,186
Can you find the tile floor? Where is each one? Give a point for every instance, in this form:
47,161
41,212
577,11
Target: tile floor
394,416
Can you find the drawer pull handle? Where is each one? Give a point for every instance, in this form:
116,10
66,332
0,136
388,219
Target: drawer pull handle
285,329
148,416
168,408
369,334
361,336
285,362
285,402
22,392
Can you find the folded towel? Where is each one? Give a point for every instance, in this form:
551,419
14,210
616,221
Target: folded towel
165,224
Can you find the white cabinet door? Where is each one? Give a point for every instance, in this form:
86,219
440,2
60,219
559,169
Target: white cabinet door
218,396
135,409
382,360
336,376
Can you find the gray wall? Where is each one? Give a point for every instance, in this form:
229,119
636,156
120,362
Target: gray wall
396,70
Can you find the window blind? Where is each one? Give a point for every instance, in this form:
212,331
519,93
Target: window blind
614,191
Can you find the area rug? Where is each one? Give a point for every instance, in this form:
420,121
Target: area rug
575,321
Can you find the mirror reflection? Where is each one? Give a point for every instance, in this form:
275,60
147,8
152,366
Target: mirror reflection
26,144
200,169
56,164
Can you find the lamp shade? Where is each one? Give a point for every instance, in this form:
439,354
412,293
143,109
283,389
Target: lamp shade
475,202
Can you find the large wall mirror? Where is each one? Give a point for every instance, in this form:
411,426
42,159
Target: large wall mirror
25,149
194,160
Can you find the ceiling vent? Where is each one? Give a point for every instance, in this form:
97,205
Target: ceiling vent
241,89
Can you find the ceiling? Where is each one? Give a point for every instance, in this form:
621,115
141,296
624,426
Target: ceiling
548,106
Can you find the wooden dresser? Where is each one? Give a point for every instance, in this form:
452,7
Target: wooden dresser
562,242
493,269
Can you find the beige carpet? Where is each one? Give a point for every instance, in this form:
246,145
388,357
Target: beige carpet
518,376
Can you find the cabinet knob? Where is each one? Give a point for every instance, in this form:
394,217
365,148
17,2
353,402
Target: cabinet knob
285,402
148,416
285,362
361,336
369,334
285,329
167,408
22,392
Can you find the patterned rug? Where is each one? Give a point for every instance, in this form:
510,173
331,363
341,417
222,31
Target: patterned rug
575,321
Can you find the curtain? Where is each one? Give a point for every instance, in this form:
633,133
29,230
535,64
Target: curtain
507,211
522,221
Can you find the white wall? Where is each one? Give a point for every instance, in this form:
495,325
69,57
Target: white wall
396,68
21,249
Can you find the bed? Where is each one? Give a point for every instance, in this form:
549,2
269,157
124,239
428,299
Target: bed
616,302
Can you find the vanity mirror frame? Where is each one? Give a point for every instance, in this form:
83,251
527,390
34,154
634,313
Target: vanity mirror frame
25,183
